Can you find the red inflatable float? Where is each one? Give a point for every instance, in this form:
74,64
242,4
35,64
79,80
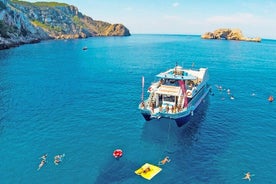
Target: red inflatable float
118,153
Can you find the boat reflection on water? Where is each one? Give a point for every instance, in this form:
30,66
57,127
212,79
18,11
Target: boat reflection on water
159,137
160,130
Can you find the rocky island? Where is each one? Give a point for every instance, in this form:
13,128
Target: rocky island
24,22
229,34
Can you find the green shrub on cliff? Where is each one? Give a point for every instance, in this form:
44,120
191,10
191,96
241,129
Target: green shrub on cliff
46,26
49,4
77,21
40,24
40,4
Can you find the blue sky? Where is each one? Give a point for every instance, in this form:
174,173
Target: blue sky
256,18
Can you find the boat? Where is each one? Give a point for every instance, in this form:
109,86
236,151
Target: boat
175,94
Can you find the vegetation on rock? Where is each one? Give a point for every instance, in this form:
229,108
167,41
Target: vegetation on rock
40,4
26,22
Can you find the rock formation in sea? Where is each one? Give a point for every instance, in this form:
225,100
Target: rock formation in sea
24,22
228,34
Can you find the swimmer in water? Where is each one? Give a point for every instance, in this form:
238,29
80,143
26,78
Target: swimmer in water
228,91
58,158
44,157
41,164
164,161
247,176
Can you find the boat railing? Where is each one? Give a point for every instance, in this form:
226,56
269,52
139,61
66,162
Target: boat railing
171,109
161,109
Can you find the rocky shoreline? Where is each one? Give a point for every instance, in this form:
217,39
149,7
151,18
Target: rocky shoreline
229,34
24,23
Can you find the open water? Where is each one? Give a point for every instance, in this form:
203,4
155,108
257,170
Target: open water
56,98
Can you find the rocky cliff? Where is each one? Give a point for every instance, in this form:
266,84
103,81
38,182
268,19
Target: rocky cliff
228,34
24,22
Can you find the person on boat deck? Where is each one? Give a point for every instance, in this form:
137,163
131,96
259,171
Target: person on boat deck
164,161
167,108
143,105
172,109
190,84
160,108
152,107
179,108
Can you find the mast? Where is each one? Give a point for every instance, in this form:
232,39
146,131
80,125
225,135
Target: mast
142,96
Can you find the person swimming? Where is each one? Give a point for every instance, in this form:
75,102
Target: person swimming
43,161
164,161
58,158
247,176
41,164
43,157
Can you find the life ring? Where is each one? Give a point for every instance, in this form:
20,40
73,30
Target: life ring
118,153
188,93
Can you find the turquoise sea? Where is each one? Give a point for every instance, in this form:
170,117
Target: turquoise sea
56,98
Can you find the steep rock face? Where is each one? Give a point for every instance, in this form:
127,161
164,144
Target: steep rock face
23,22
228,34
16,29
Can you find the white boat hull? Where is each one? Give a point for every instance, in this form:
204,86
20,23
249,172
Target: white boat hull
183,101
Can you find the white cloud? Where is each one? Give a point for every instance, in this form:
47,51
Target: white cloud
176,4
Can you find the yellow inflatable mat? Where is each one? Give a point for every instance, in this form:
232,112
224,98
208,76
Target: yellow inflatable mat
148,171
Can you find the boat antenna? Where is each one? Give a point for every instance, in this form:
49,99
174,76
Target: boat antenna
143,81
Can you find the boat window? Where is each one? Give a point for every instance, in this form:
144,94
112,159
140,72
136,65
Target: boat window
172,81
169,98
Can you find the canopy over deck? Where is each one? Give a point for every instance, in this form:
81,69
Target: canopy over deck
176,77
169,90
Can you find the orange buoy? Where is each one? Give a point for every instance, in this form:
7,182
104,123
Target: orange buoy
270,98
118,153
